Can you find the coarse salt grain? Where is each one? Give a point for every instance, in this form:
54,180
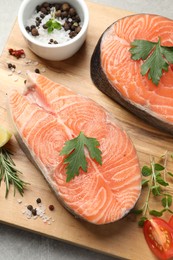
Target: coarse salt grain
42,70
27,61
35,63
28,213
19,201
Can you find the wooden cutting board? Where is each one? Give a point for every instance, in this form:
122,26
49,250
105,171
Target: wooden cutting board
123,239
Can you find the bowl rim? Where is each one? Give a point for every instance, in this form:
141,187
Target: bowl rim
38,43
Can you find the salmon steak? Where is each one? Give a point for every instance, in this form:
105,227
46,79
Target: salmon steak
46,115
116,74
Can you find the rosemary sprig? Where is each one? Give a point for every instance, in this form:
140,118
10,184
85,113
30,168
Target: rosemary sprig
155,178
9,173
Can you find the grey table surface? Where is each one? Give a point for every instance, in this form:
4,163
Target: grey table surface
16,244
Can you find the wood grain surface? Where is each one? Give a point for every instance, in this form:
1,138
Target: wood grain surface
123,238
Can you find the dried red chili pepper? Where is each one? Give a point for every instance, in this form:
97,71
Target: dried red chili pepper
16,53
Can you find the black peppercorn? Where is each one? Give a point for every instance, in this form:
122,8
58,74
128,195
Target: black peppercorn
34,212
30,207
38,200
37,71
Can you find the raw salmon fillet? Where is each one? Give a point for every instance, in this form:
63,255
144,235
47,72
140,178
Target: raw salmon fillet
117,75
48,114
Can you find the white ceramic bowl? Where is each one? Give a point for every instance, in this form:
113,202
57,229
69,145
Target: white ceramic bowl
54,52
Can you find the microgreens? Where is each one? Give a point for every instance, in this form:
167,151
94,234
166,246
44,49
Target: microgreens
155,179
52,23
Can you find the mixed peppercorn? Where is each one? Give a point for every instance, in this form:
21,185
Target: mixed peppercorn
62,11
34,210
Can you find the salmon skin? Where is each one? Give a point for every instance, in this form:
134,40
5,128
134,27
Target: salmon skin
118,76
48,114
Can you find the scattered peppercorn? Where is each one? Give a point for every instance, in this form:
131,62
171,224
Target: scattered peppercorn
34,32
65,7
30,207
37,71
10,65
25,81
34,212
51,207
38,200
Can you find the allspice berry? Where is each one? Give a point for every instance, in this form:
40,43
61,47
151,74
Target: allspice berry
34,32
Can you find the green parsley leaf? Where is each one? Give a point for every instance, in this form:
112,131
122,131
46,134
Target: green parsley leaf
141,49
168,53
76,159
156,58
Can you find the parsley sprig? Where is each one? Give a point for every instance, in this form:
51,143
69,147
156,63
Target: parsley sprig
157,58
75,159
155,178
9,173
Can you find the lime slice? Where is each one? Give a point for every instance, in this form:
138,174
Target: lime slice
5,136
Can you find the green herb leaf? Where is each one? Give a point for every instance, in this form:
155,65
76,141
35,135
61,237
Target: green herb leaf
144,182
170,173
137,211
161,181
141,49
156,213
167,201
52,24
158,167
156,190
146,171
168,53
50,29
49,23
141,221
156,58
76,159
157,178
56,25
